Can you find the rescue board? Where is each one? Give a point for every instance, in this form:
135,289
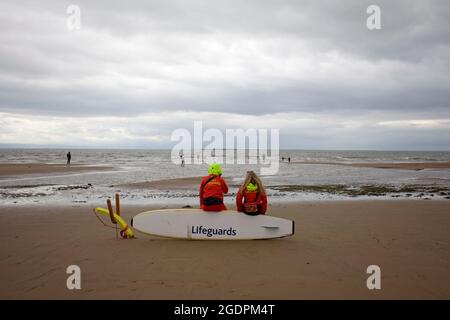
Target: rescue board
201,225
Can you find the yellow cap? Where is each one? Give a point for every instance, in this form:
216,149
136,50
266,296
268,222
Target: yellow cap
251,187
215,169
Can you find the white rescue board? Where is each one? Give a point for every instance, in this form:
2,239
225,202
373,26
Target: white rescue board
202,225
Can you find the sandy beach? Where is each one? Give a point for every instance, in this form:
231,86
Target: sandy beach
16,169
333,115
327,257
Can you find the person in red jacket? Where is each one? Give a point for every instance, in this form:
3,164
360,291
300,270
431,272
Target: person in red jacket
251,197
212,189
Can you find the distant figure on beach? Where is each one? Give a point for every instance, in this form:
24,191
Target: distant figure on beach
251,197
212,189
69,157
182,162
289,159
282,158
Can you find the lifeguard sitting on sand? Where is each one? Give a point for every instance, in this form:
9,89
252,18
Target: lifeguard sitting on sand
212,189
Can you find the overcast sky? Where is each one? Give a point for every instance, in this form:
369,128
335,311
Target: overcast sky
137,70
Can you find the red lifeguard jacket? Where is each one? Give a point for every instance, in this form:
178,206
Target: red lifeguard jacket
252,196
212,189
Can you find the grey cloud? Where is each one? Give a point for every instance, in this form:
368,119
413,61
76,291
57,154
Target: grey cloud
241,57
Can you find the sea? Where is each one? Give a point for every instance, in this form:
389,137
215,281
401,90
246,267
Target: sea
310,175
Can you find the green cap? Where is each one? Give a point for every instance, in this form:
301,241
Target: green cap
215,169
251,187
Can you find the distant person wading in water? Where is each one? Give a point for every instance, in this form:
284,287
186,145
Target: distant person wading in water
69,157
212,189
251,197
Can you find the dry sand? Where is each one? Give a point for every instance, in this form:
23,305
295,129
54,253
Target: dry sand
13,169
326,258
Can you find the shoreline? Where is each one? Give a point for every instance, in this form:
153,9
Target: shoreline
387,165
19,169
69,188
174,192
327,257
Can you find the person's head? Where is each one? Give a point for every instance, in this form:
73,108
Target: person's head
252,183
215,169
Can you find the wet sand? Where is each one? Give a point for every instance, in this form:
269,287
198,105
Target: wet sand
326,258
178,183
16,169
396,165
408,166
189,183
